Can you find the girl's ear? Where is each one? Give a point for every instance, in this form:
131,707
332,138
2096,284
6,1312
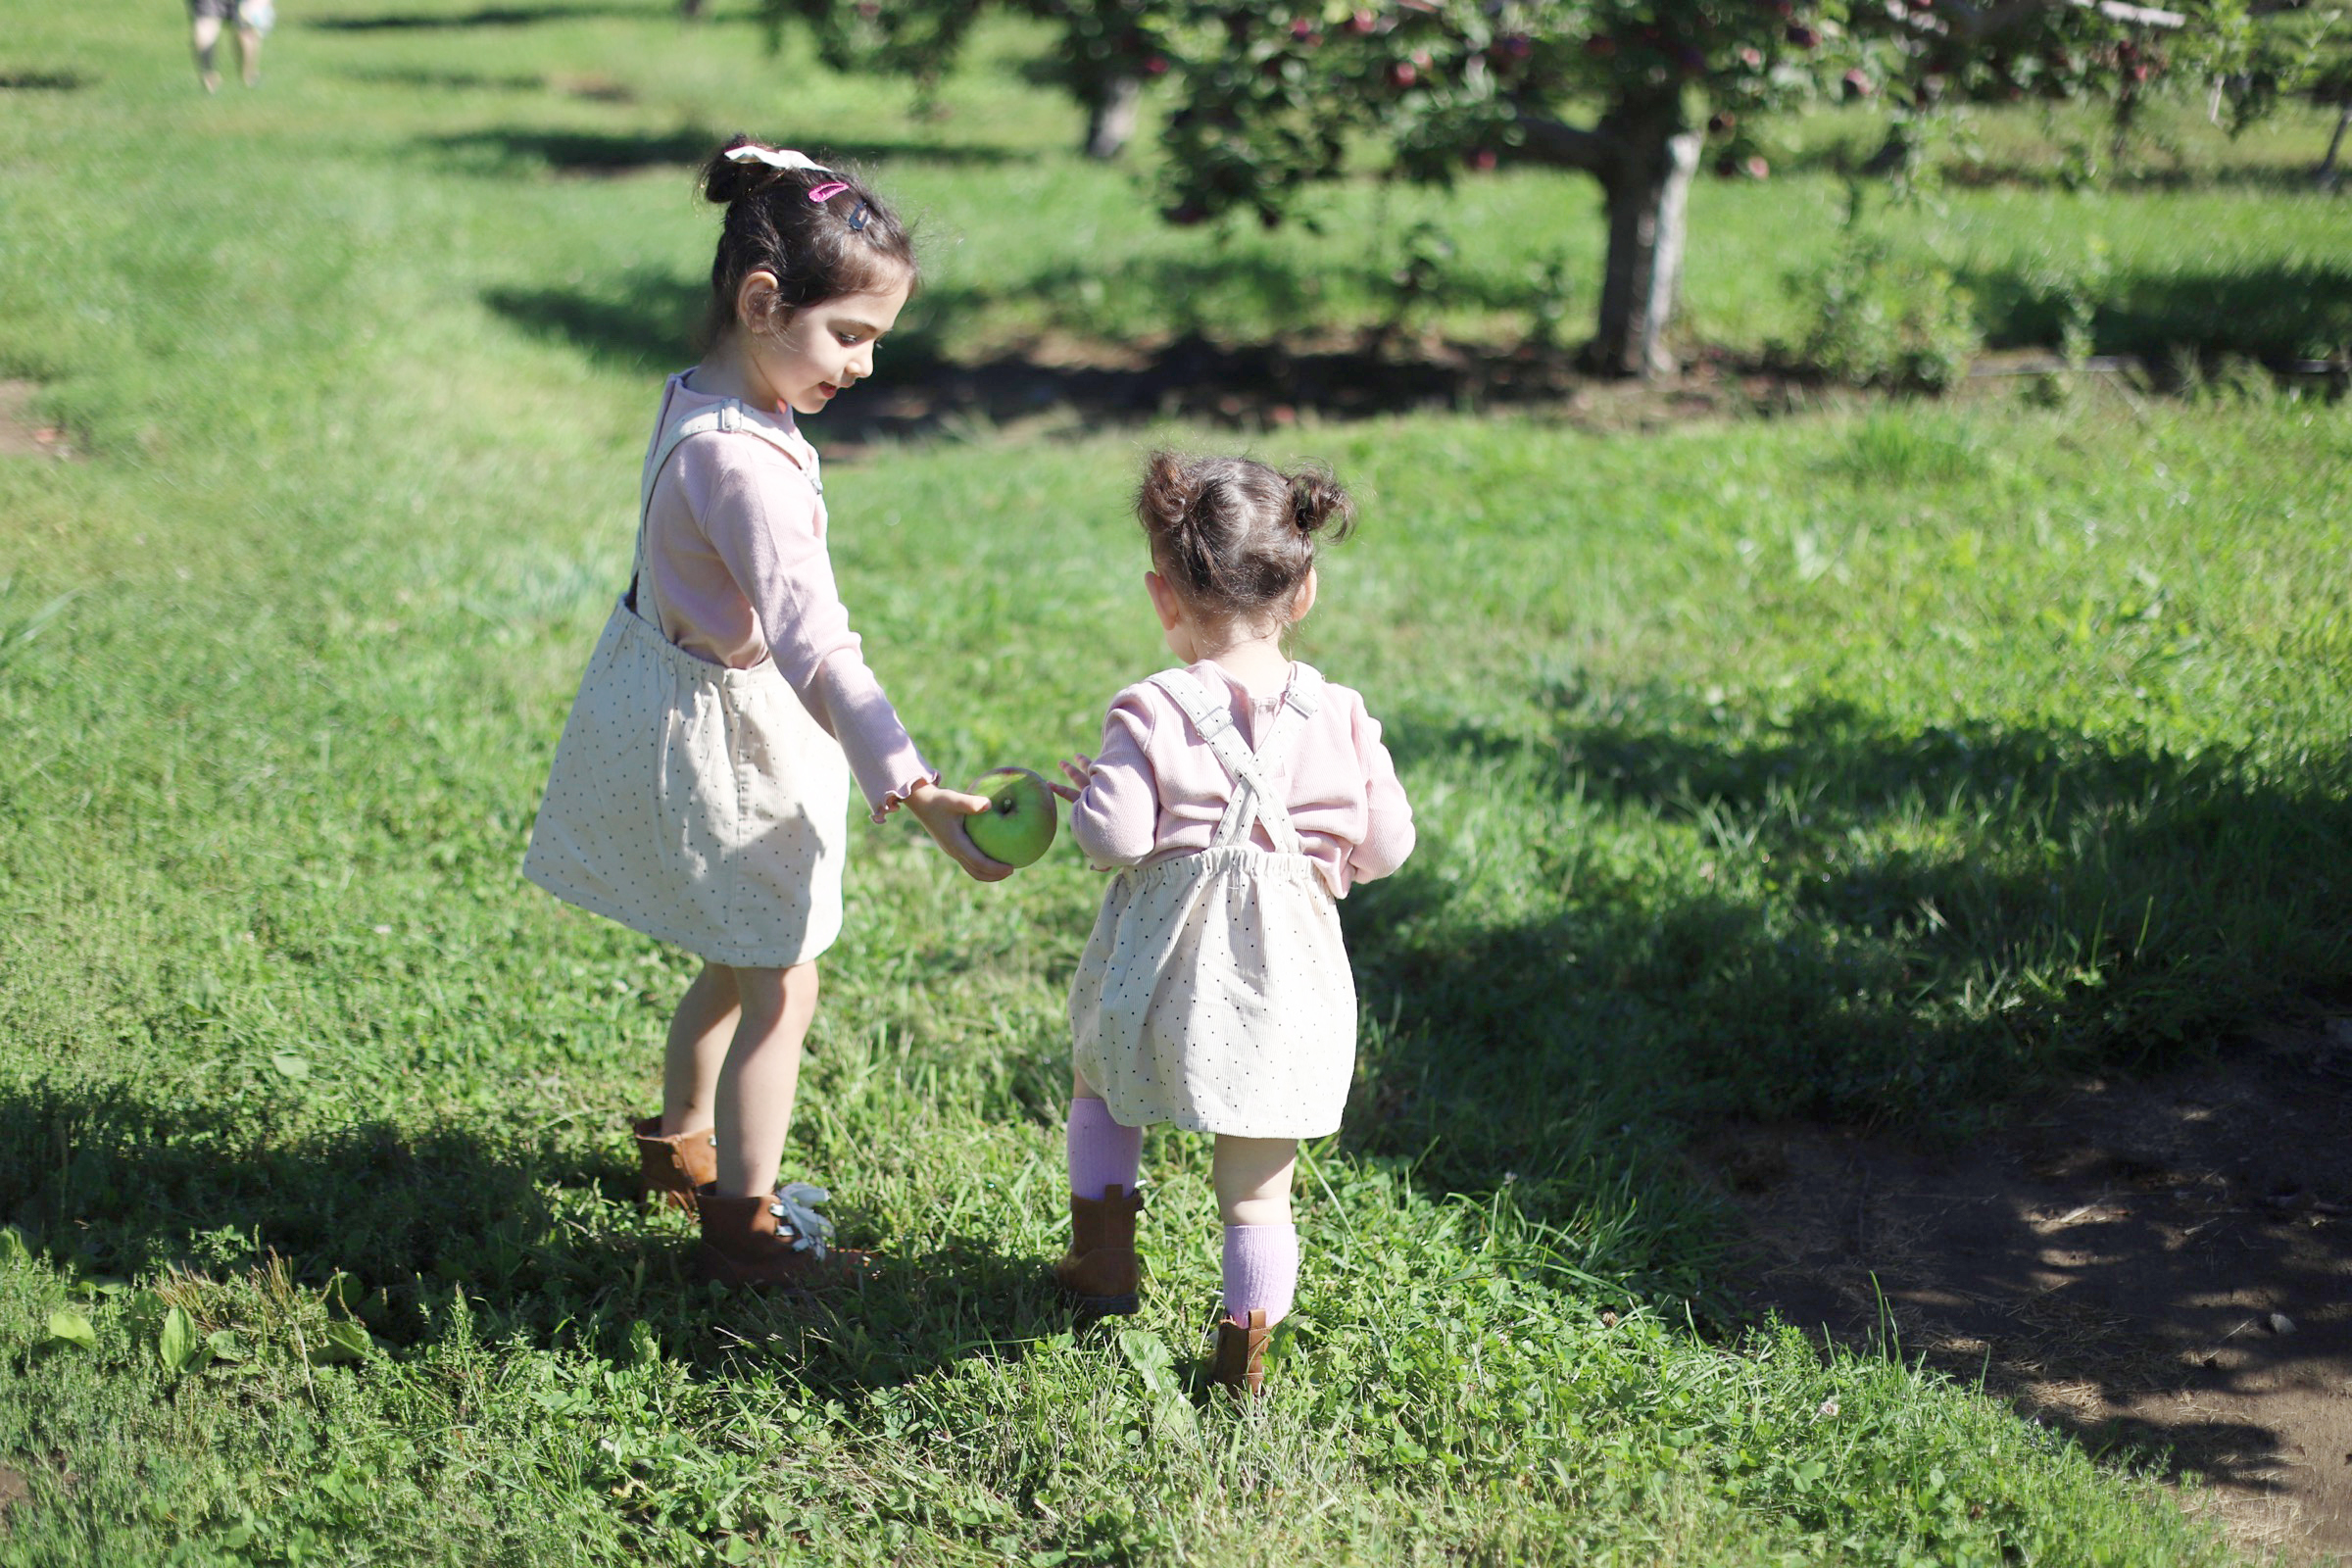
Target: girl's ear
1305,599
1164,601
756,304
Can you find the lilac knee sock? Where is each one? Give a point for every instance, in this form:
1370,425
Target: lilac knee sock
1261,1270
1103,1153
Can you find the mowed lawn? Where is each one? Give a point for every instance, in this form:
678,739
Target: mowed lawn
1884,764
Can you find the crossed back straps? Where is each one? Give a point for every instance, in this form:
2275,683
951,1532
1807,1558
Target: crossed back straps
1255,799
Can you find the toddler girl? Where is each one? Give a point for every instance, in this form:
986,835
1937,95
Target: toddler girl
700,793
1240,797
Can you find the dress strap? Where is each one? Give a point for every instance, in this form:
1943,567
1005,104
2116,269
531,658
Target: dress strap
1255,799
1301,700
729,415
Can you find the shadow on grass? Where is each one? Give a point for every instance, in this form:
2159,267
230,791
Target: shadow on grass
645,322
2271,312
2276,178
1826,919
111,1182
2122,906
481,16
596,154
418,78
43,82
1827,925
1844,156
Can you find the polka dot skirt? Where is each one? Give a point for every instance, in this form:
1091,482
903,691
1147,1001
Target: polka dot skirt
695,803
1215,993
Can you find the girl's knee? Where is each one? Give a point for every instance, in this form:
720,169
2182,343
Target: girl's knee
775,992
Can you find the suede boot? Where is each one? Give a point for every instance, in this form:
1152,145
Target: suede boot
1099,1272
1240,1366
745,1243
669,1169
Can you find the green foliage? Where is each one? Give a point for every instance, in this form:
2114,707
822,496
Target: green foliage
916,41
1876,319
2284,52
1274,101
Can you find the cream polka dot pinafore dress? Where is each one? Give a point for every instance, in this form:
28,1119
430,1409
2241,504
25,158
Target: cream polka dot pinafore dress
1215,993
695,803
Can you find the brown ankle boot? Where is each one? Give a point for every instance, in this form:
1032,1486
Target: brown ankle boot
1239,1367
669,1169
1099,1272
745,1243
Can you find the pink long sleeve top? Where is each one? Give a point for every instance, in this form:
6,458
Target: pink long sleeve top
1156,791
737,572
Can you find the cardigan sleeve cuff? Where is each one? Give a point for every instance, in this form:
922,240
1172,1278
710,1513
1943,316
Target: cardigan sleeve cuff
893,799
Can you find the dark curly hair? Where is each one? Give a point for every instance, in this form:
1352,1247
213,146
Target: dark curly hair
1235,537
819,250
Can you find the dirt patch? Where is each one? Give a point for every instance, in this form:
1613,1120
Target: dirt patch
14,1490
2162,1267
20,434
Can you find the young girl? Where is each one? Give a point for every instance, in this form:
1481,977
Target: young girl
1240,797
700,792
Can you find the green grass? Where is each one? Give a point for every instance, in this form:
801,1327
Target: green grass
1882,765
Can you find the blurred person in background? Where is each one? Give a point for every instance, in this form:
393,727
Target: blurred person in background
252,20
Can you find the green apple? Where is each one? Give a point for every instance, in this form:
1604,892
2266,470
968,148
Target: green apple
1020,819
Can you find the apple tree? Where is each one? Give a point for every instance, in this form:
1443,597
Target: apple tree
1636,93
1105,50
2291,49
1272,96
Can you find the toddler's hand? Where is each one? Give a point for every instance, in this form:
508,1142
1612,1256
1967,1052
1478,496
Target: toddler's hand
1081,769
942,813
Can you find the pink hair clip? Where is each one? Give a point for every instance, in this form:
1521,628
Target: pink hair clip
828,190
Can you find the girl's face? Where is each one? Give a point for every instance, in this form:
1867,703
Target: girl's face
811,353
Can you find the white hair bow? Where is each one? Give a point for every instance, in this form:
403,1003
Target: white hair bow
775,158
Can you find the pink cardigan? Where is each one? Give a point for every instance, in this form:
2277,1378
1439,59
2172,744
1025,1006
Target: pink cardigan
1156,790
738,572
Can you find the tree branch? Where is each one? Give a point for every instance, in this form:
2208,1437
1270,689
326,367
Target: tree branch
1560,145
1971,23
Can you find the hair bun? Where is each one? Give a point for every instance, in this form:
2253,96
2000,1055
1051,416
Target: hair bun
1171,488
727,179
1317,503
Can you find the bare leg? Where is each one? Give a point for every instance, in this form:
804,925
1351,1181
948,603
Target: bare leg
700,1032
204,36
1080,1088
249,56
762,1076
1252,1177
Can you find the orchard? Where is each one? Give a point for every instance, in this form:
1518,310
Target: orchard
1639,95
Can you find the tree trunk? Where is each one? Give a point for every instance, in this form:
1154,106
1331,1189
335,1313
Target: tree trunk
1111,117
1892,152
2324,175
1649,192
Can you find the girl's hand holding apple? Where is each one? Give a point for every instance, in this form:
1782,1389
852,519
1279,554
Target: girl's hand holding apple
943,813
1020,820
